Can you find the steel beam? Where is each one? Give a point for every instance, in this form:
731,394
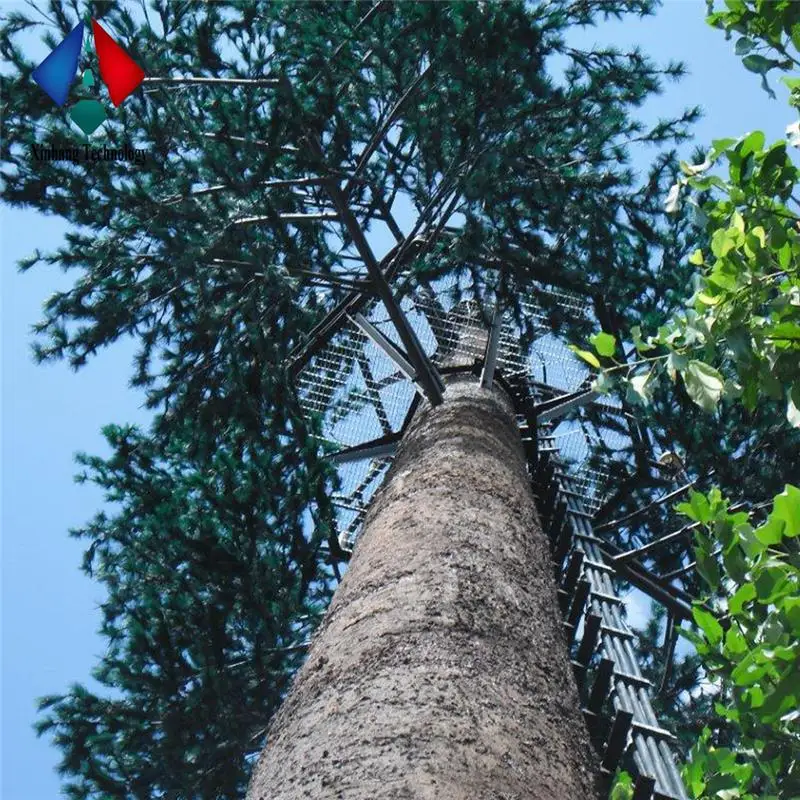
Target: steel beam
492,346
558,406
200,81
617,739
387,345
615,523
377,448
677,601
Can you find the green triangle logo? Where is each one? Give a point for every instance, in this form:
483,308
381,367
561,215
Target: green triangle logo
88,115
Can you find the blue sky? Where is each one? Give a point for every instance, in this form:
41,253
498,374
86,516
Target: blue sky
49,609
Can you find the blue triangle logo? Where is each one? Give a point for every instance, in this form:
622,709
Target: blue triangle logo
57,72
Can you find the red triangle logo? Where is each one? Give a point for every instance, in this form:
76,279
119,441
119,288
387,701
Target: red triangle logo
118,70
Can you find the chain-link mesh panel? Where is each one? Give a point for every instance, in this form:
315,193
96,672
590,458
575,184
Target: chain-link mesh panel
587,449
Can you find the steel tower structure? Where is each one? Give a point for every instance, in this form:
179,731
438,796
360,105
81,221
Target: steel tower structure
387,342
355,374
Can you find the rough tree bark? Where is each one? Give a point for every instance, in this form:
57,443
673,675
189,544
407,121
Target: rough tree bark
441,668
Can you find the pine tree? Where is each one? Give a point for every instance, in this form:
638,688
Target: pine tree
213,584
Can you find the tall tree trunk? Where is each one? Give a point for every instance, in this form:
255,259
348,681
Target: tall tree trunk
441,669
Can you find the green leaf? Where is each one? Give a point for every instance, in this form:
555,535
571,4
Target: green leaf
770,582
791,607
748,541
744,594
760,238
708,568
723,787
785,255
748,671
773,168
726,713
639,343
701,509
735,562
707,299
719,146
752,143
785,330
722,276
707,622
676,363
694,770
759,64
723,241
755,696
744,46
696,258
622,788
586,355
787,510
771,532
703,384
604,343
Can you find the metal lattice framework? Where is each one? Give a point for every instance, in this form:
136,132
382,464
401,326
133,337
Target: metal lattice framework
361,384
365,395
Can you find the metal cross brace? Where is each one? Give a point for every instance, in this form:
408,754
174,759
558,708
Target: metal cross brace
390,349
376,448
492,346
558,406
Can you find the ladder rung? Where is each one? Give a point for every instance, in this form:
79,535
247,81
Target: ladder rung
578,513
625,676
617,631
651,729
609,598
603,567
